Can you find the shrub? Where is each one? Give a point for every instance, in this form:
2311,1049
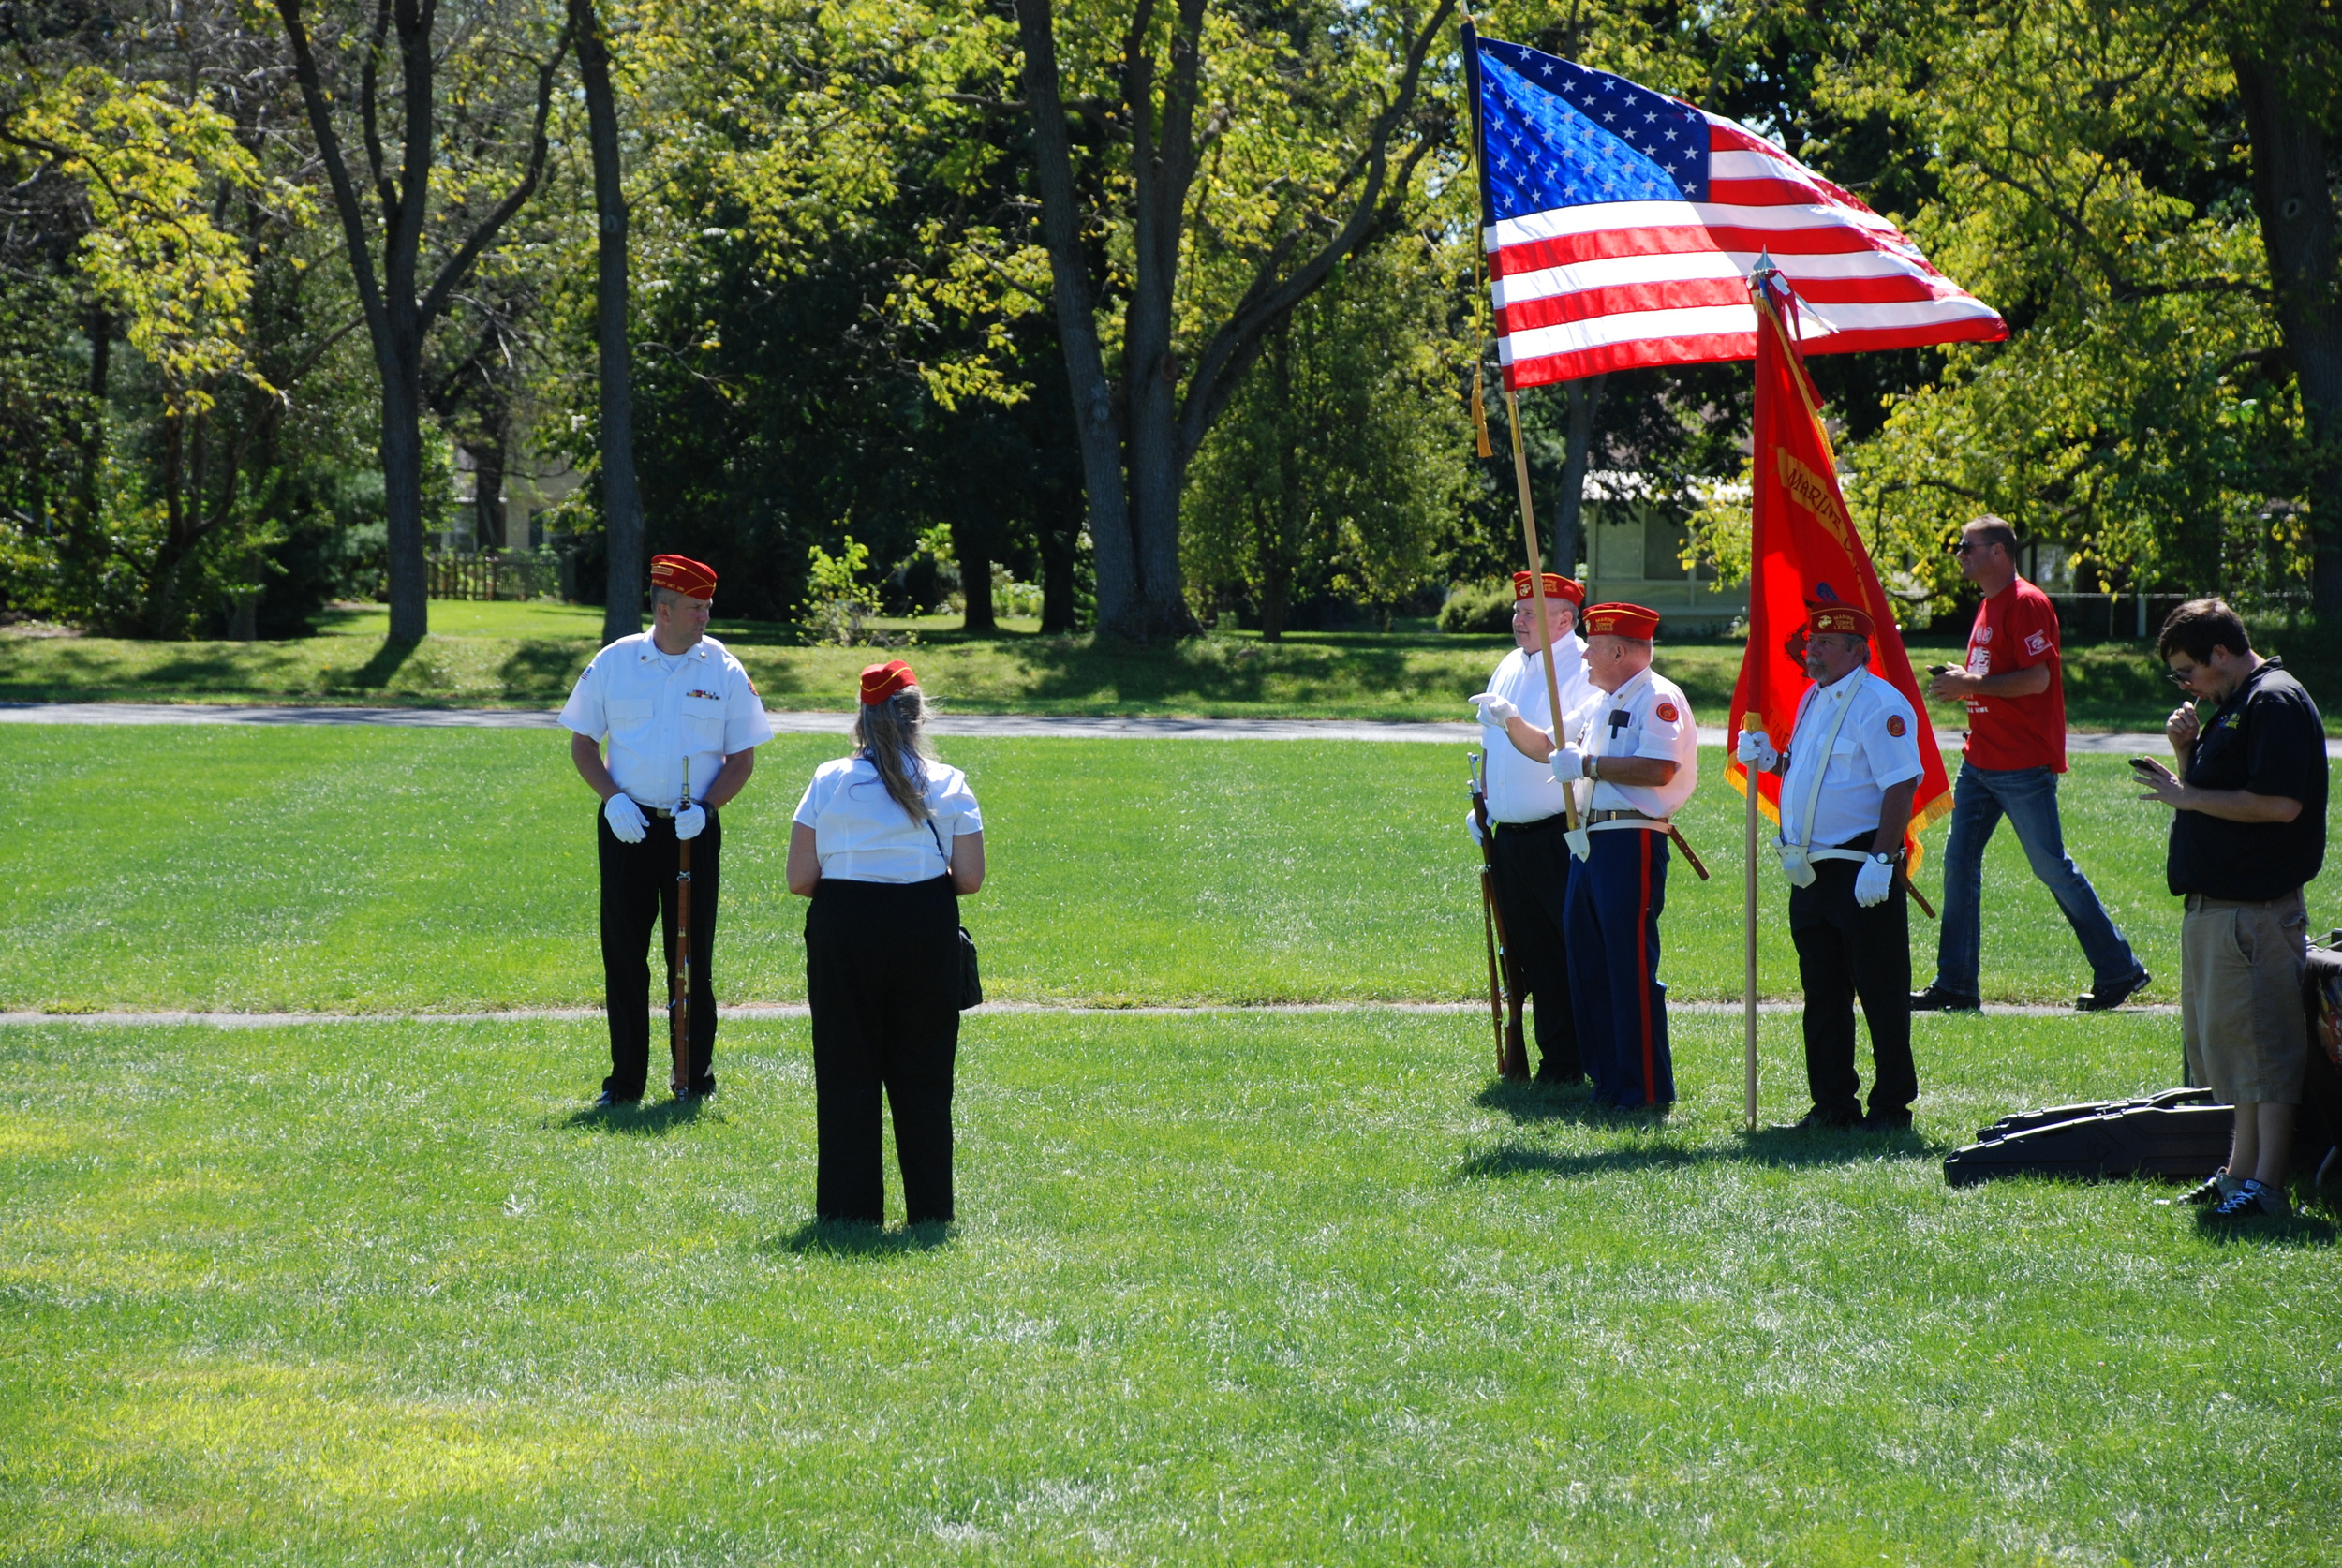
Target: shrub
1485,606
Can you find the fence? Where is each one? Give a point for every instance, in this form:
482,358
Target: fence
490,577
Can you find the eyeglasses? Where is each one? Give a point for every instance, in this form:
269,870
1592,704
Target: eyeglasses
2187,677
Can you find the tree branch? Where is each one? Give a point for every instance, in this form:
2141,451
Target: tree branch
460,263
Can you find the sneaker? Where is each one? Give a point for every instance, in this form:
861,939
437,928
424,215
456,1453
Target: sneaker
1936,1000
2252,1201
2213,1188
2099,998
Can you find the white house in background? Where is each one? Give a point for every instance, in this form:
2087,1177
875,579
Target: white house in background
1635,531
533,483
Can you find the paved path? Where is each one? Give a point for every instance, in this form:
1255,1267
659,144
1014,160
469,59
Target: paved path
797,1009
1018,726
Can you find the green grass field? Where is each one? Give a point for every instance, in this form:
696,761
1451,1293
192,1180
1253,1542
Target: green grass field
1225,1289
529,655
1233,1288
383,870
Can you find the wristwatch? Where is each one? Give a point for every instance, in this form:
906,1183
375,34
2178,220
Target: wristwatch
1895,859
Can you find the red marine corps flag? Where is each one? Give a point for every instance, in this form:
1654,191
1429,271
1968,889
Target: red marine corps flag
1804,550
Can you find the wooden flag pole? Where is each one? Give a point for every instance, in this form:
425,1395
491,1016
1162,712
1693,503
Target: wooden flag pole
1537,586
1748,923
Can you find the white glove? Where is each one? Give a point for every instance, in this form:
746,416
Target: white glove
625,818
1472,826
1495,709
689,824
1568,763
1756,749
1874,882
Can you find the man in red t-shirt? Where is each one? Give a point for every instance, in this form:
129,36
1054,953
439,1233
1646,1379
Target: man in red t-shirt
2015,693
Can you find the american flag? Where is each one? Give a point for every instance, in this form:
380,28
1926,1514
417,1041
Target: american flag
1622,224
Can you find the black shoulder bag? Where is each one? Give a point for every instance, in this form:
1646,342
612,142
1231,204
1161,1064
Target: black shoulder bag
970,982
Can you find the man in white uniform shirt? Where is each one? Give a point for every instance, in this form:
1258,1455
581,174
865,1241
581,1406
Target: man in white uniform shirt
1636,745
683,722
1852,768
1525,811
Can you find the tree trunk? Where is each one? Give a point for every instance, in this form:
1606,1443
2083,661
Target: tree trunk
487,492
1094,420
621,501
86,504
2293,200
1276,590
1135,531
398,316
400,437
1585,399
1061,538
971,545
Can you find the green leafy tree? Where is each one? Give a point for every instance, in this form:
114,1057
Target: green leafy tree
1341,463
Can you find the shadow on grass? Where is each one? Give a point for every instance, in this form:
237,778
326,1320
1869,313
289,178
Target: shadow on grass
1782,1148
638,1119
544,666
376,672
850,1238
1534,1103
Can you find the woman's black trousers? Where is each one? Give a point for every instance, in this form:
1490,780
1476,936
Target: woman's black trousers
882,971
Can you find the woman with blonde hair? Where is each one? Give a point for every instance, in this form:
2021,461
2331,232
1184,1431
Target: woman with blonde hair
885,843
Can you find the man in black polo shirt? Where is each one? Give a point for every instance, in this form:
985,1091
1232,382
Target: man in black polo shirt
2248,829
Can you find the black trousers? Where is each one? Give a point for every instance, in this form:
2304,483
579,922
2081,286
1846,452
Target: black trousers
1532,884
1844,951
638,892
882,972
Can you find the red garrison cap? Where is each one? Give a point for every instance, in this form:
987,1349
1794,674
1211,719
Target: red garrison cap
692,579
881,681
1621,620
1556,586
1844,619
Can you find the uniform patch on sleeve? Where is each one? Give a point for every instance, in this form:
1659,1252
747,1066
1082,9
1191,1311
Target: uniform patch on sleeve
1665,712
1895,724
2038,643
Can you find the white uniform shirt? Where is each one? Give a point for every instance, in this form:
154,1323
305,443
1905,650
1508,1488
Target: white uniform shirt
1877,747
1520,791
1646,717
861,835
661,711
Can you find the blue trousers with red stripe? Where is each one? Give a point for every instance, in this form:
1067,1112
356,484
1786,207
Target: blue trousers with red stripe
1612,922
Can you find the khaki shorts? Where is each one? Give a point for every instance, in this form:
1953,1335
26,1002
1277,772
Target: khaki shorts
2240,998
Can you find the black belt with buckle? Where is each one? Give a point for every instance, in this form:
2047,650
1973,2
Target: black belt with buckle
1594,817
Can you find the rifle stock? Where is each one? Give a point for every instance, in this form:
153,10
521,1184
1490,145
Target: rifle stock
1505,993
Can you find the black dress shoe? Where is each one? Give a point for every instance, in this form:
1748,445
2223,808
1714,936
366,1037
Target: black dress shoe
1936,1000
1819,1120
608,1100
2100,999
1886,1121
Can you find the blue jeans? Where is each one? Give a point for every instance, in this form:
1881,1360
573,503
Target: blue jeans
2028,798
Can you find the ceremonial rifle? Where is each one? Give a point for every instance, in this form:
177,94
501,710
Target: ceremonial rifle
1504,997
679,971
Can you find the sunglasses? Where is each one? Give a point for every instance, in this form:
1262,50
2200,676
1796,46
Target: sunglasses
2185,677
1964,546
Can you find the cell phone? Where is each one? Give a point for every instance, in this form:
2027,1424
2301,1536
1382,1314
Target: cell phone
2146,765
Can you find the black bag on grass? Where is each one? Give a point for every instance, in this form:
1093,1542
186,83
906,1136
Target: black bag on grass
2177,1135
